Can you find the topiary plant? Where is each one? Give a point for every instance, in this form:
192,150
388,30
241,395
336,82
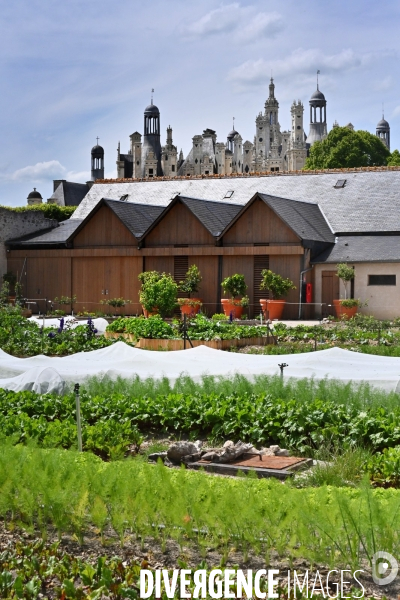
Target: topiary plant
345,274
276,284
192,280
235,285
158,292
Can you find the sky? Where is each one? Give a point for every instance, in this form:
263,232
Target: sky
75,70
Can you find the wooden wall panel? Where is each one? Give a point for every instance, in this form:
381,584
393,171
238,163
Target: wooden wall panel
257,225
208,291
46,278
121,276
179,226
289,266
160,263
88,283
104,229
243,265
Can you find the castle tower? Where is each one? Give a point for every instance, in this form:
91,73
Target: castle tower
97,162
197,153
151,142
237,164
169,156
297,152
383,132
247,156
136,151
220,150
35,197
272,117
318,129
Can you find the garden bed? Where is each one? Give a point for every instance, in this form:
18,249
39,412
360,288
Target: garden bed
161,344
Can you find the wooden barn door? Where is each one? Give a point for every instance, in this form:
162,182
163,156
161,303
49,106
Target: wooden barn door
330,291
260,262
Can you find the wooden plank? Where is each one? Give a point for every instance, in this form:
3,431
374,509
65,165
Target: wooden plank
104,229
170,251
179,226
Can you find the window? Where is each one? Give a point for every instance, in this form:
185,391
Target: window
166,157
260,139
381,279
124,197
151,172
172,167
228,194
340,183
298,127
137,162
196,161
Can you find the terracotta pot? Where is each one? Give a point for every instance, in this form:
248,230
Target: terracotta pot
26,312
148,313
344,311
272,309
186,309
228,307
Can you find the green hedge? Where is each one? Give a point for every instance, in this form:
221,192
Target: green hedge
50,211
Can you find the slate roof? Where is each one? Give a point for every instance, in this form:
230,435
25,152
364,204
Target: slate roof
362,248
50,237
215,216
370,200
136,217
306,220
69,193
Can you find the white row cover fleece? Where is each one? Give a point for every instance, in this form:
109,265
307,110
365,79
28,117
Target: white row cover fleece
51,374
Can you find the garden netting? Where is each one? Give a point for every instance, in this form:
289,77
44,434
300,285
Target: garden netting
44,373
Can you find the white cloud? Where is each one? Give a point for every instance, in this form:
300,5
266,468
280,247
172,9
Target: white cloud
396,111
78,177
299,63
384,84
42,171
241,22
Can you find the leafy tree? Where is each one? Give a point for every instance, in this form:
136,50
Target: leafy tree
394,159
344,148
158,292
276,284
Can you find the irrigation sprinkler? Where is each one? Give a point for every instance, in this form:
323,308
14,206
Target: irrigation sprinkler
78,416
282,366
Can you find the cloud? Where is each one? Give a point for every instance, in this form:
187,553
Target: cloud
241,22
396,111
384,84
299,63
42,171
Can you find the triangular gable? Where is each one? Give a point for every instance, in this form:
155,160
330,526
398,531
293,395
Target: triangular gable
116,223
304,220
203,223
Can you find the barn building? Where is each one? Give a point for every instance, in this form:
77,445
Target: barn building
298,225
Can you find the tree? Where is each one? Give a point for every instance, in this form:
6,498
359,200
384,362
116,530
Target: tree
344,148
394,159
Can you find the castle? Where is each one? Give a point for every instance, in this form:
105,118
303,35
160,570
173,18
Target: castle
272,150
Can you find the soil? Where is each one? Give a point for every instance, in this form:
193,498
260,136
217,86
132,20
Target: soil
150,551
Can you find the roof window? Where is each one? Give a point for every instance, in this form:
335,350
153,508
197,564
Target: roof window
124,198
229,194
340,183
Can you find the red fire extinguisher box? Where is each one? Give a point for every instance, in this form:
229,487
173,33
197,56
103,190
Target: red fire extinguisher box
309,292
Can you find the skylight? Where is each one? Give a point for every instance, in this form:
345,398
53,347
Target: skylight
340,183
229,194
124,198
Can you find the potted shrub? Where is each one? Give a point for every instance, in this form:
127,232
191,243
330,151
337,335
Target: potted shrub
158,293
190,285
235,286
66,301
278,287
116,303
11,280
346,307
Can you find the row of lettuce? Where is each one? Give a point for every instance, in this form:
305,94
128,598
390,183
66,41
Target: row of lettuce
116,422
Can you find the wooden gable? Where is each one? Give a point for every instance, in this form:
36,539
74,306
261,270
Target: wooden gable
258,224
179,227
104,228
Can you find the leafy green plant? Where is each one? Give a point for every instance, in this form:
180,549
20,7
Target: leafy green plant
158,292
345,274
275,283
234,285
116,303
18,293
191,283
384,468
4,293
152,328
351,303
219,317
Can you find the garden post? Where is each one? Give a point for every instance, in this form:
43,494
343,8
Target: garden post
184,331
78,416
